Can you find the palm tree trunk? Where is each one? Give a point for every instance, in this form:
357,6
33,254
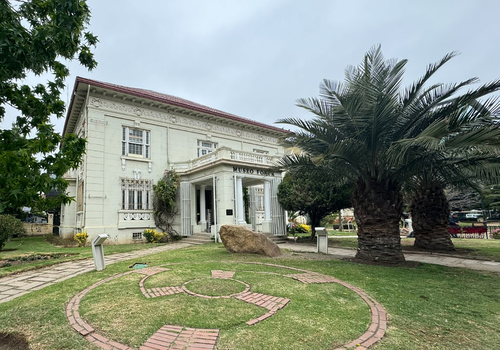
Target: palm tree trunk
378,209
315,220
340,221
430,217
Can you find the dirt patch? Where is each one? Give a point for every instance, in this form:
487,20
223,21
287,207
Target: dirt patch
305,256
410,264
13,341
57,241
27,259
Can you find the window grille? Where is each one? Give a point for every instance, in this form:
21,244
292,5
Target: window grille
137,236
136,194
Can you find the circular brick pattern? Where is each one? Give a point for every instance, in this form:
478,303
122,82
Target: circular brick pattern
185,289
177,337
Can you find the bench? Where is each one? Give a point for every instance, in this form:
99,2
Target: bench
468,232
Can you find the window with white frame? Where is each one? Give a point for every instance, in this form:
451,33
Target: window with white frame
135,142
206,147
136,194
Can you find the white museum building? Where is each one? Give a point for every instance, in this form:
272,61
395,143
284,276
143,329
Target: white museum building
134,135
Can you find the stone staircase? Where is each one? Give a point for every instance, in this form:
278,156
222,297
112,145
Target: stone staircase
276,239
198,238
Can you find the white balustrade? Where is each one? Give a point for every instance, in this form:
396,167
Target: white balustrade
136,216
224,153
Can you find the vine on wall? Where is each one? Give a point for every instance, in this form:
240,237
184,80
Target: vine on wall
246,203
164,201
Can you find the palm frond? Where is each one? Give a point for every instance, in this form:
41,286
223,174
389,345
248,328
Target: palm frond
411,94
369,129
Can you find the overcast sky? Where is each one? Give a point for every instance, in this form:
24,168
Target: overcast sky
254,58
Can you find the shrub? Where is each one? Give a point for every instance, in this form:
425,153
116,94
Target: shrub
152,236
9,227
164,201
81,238
495,233
295,228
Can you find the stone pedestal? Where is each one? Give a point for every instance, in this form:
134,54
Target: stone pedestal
322,240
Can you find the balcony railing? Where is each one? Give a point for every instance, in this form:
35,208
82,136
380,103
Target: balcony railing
135,219
225,153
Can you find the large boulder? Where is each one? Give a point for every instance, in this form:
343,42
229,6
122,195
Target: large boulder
240,239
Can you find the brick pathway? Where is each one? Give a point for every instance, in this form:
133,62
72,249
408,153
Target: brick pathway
182,338
85,329
271,303
175,337
222,274
312,277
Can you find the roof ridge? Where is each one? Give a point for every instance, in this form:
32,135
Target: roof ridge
177,101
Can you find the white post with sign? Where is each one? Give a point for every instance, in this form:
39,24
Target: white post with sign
322,240
98,252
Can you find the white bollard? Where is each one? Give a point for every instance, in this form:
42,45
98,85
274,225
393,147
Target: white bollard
98,252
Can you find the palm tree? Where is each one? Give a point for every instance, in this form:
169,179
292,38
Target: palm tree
430,207
367,130
460,147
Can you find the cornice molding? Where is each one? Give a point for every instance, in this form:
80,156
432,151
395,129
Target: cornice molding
175,119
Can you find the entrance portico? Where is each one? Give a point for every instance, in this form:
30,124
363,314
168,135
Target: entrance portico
221,192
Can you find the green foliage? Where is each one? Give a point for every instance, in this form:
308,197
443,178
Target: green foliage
495,234
491,197
246,204
329,219
164,201
295,228
367,129
82,238
10,227
152,236
307,192
38,38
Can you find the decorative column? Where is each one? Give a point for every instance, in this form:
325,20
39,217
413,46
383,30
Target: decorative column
267,201
203,210
239,202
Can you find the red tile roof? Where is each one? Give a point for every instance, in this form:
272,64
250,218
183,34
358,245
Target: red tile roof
175,101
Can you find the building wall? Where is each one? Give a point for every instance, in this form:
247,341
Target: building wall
173,144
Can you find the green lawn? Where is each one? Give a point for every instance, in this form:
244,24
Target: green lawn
429,307
341,233
33,246
37,245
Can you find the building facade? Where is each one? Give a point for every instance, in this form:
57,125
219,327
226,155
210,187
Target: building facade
135,135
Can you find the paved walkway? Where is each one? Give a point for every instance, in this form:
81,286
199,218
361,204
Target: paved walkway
429,258
16,285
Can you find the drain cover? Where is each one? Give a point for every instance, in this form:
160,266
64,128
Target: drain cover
139,266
